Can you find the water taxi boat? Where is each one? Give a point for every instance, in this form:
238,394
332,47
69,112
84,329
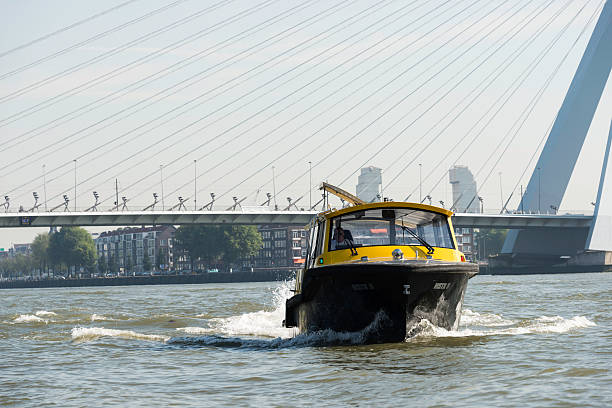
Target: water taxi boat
390,264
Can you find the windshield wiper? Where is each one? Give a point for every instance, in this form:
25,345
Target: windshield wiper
349,238
430,249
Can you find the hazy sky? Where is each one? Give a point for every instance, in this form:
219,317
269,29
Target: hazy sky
242,86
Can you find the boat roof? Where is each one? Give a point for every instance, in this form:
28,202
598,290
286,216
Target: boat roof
387,204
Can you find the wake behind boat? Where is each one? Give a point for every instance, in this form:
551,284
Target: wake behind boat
393,263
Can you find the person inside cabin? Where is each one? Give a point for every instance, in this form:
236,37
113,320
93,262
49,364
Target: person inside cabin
340,237
337,237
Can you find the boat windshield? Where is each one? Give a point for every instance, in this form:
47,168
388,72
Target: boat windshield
390,226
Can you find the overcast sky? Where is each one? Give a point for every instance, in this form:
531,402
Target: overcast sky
243,86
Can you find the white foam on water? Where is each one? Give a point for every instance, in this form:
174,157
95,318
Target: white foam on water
262,323
311,339
539,325
101,318
471,318
92,333
27,318
195,330
226,332
45,313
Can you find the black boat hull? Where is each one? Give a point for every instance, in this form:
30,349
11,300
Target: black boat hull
386,297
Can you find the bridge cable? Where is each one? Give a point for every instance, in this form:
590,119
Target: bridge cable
433,93
505,65
448,91
315,104
66,28
103,56
228,81
76,133
131,65
146,80
284,97
329,123
91,39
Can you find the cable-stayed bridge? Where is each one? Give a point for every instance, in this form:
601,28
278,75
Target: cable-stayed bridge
264,99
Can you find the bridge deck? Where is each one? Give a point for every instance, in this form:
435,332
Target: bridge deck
15,220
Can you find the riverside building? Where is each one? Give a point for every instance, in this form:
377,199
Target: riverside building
128,248
284,247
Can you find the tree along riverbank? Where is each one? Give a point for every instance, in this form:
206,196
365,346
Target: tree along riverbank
221,277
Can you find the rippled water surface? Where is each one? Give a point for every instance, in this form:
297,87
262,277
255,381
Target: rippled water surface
529,341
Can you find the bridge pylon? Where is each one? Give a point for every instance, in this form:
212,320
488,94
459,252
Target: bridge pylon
556,163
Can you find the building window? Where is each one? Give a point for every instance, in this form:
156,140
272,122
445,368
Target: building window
279,244
467,231
296,244
280,234
296,234
304,253
466,239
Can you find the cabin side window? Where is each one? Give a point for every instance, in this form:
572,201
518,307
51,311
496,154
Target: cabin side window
313,235
320,238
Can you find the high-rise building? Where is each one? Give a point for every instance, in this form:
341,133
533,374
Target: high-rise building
369,185
465,193
465,199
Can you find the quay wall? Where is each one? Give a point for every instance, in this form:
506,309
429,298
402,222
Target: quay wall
256,276
536,270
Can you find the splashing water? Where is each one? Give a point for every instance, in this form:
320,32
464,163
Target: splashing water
100,318
262,323
45,313
263,329
27,318
92,333
313,339
488,324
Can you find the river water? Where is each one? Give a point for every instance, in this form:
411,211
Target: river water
529,341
